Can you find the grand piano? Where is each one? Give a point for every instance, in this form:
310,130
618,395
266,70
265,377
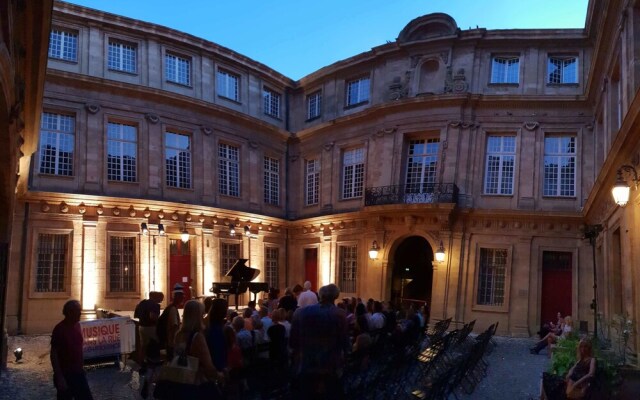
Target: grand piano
240,277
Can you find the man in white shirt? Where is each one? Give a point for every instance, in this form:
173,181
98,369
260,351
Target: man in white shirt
308,297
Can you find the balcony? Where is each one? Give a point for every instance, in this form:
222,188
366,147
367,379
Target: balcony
430,193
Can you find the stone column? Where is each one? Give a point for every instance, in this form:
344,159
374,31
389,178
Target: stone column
519,296
89,272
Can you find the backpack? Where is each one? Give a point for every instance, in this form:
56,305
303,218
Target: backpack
142,312
162,324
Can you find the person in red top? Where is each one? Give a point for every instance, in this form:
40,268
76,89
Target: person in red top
67,361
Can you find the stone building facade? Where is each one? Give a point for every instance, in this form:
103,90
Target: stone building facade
496,146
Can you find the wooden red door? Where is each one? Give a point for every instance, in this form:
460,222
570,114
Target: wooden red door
311,267
180,266
556,285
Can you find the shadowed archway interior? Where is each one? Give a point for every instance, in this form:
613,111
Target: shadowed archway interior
412,275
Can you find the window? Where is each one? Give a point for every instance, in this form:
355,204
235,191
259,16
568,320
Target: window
177,69
57,139
562,70
63,45
314,105
177,154
348,268
122,264
229,254
357,91
122,152
228,170
122,57
352,173
422,164
500,165
312,182
271,181
271,103
52,261
491,277
505,70
560,166
227,85
271,255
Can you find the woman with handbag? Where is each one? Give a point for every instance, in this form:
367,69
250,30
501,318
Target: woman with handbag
578,379
579,376
199,378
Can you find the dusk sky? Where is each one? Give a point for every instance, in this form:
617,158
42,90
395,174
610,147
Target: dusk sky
297,37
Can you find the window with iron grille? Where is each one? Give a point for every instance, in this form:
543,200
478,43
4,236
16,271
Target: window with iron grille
52,260
271,181
422,165
227,85
228,170
348,268
229,254
177,69
63,45
122,152
500,165
560,166
357,91
314,105
505,70
353,173
271,102
491,277
122,56
177,148
562,70
122,264
271,255
312,182
57,141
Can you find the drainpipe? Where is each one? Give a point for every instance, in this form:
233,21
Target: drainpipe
23,258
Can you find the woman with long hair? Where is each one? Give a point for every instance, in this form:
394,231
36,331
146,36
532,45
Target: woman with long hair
190,340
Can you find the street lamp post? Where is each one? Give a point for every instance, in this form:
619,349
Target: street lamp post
591,232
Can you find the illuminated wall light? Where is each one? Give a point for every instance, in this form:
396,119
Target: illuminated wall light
161,230
144,228
232,230
373,251
621,189
440,253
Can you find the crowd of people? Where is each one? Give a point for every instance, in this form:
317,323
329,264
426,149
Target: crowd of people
303,335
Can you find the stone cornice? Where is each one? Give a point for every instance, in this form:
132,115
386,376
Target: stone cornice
154,96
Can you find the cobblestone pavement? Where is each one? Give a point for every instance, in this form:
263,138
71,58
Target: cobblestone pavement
513,373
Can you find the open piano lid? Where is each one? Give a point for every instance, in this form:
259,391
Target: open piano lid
239,272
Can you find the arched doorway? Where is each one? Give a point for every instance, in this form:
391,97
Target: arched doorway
412,274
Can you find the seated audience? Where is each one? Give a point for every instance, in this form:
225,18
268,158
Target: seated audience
576,383
552,338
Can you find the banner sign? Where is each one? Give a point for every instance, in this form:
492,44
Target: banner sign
102,337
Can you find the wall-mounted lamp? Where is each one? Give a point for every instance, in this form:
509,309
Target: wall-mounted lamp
440,253
232,230
144,228
184,235
160,229
621,188
373,251
247,230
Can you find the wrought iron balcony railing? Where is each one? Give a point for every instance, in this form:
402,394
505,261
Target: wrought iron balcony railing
430,193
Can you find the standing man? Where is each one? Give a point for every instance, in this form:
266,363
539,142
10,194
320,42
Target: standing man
308,297
148,312
67,361
320,340
173,318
